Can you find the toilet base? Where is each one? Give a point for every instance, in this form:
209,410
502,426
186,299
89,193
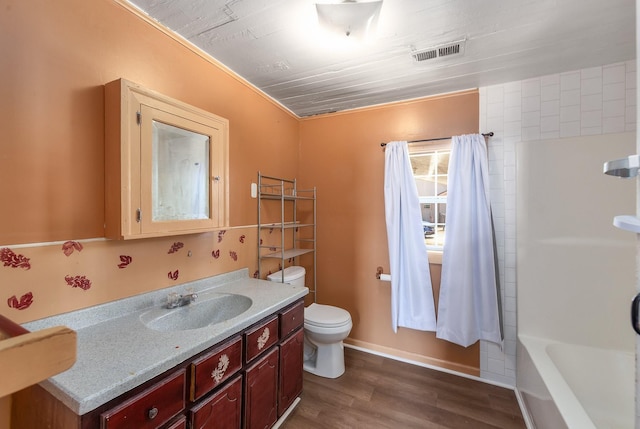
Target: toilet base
327,360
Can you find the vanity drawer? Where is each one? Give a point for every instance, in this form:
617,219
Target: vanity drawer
291,319
151,408
215,368
260,338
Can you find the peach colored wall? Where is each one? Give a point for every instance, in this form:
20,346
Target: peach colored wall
341,155
55,60
95,271
56,57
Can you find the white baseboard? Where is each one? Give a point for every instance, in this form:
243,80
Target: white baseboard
426,365
284,416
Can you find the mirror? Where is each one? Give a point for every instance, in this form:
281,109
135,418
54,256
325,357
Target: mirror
180,174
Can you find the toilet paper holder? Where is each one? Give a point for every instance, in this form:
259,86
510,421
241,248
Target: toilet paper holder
381,276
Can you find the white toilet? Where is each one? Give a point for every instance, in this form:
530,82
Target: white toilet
325,327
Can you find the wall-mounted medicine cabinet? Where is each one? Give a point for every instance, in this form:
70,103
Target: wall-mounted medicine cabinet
166,165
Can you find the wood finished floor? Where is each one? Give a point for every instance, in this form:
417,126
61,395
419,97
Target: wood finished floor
377,392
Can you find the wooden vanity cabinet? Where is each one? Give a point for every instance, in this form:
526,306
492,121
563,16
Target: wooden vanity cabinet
247,381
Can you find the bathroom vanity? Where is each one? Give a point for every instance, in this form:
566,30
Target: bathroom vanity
242,372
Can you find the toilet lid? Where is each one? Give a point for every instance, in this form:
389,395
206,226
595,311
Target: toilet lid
325,315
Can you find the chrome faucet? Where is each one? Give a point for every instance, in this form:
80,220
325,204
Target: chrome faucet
174,300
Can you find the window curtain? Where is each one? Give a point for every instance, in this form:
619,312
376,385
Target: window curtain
412,304
468,307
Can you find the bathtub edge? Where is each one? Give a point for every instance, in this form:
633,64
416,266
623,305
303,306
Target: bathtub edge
528,420
571,411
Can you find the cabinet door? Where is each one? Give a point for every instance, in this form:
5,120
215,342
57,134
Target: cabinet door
290,383
261,392
223,410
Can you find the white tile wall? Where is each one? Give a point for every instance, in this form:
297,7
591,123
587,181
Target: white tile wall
598,100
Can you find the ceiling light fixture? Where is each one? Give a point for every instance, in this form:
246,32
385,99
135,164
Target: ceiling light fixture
350,18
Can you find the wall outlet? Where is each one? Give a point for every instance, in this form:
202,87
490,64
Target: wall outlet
254,190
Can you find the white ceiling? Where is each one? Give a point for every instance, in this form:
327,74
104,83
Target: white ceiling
275,45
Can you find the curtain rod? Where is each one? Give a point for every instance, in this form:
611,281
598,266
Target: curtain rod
489,134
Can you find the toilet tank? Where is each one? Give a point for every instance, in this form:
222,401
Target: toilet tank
293,275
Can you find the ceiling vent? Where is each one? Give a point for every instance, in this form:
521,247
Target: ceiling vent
425,55
448,49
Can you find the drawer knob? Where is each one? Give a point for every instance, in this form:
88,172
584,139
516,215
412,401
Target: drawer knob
152,413
262,339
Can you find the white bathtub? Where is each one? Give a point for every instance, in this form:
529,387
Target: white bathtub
576,387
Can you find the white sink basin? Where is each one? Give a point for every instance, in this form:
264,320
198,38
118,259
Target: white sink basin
207,311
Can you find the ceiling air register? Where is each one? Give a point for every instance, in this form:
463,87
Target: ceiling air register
440,51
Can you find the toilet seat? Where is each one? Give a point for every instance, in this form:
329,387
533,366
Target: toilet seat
326,316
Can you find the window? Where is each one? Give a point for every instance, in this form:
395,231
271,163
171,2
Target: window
430,169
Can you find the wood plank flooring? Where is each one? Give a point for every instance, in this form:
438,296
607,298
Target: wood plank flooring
376,392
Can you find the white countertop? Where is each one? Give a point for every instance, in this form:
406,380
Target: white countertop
117,352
